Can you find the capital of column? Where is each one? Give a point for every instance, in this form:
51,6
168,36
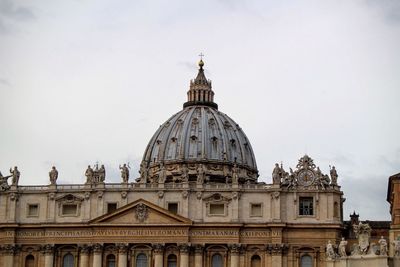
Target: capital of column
198,249
10,249
47,249
184,248
235,248
158,248
277,249
122,248
97,248
84,249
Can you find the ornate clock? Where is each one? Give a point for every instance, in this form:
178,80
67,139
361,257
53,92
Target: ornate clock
306,177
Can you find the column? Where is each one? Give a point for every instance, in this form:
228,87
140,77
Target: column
84,256
235,249
48,251
276,251
8,255
158,255
122,255
184,255
198,256
97,255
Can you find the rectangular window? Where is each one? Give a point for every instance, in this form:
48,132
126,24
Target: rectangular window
69,209
111,207
217,209
256,210
33,210
173,208
306,206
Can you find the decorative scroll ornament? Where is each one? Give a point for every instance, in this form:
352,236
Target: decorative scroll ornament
307,175
141,212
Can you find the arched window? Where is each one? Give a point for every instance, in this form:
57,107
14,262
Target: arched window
255,261
216,260
306,261
172,260
110,260
29,261
141,260
68,260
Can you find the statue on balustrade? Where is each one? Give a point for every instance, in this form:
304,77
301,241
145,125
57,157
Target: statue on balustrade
3,182
53,174
334,175
89,175
382,246
15,175
124,173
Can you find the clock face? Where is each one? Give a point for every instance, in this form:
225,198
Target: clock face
306,178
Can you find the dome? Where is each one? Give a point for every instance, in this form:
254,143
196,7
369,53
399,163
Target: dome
199,144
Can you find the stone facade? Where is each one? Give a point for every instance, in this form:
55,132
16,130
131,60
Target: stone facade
202,212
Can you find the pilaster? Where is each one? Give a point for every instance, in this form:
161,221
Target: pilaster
158,250
97,255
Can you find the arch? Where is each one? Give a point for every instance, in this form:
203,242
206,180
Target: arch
141,260
216,260
110,260
68,260
29,261
255,261
306,261
172,260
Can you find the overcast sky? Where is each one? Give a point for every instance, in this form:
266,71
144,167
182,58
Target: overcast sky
87,81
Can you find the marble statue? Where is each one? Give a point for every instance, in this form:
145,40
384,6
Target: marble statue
124,173
15,175
383,246
102,174
185,174
200,174
162,174
363,233
276,174
342,248
396,245
89,174
53,174
334,176
235,176
3,182
290,180
330,252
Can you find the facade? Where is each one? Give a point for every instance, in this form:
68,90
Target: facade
197,203
393,197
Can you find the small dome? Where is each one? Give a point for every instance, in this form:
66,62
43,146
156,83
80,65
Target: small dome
199,144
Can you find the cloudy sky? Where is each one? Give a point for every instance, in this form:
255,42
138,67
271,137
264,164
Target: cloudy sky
90,81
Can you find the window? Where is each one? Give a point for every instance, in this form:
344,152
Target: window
217,209
68,260
29,261
216,260
306,206
255,261
141,260
173,208
69,209
110,260
172,260
111,207
306,261
33,210
256,210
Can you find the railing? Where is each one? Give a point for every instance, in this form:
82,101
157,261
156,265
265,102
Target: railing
33,187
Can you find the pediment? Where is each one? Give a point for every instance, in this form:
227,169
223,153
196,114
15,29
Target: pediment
141,212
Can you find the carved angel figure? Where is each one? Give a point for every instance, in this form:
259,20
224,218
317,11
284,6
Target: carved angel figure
53,174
